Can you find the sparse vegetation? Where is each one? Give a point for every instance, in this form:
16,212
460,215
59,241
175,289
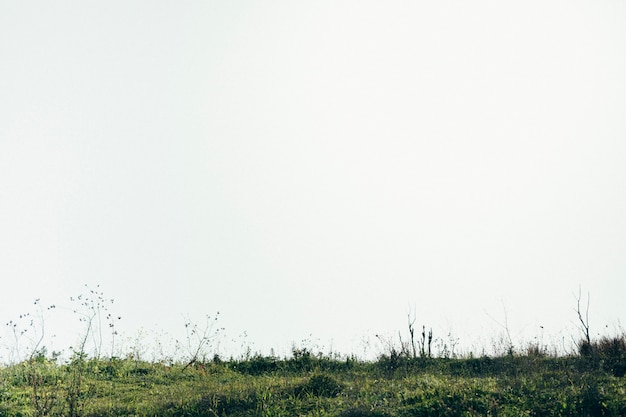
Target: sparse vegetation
408,379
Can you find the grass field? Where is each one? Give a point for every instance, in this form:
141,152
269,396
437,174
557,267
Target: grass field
306,384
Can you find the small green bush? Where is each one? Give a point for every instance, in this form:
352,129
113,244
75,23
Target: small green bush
612,354
320,386
607,354
256,365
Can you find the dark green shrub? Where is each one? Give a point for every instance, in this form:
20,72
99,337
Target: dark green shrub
473,366
585,348
143,371
320,386
608,354
257,365
612,355
302,360
392,363
591,399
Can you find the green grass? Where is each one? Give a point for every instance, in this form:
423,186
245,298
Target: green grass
309,385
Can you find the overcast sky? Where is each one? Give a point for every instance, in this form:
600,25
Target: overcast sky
316,169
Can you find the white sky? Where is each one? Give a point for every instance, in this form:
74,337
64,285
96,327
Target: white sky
313,170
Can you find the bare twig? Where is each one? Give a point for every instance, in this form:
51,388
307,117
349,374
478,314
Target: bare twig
584,322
